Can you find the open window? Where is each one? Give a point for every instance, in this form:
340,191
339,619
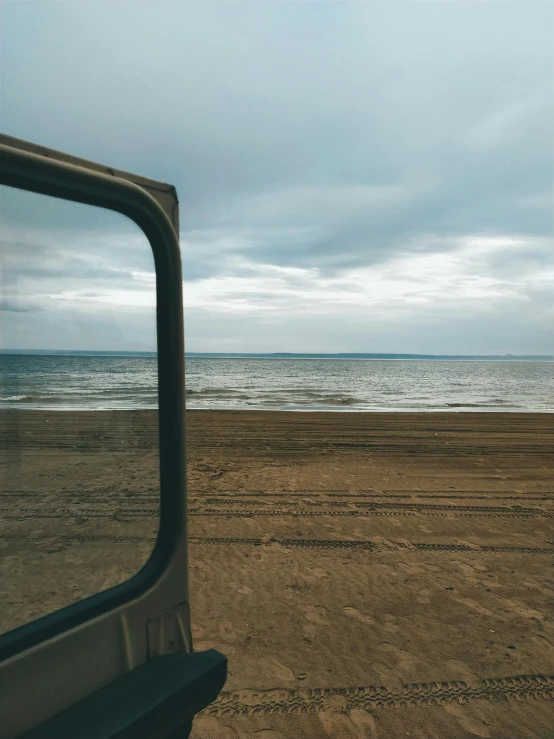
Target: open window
115,658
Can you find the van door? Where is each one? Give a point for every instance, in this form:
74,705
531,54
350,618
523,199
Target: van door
101,644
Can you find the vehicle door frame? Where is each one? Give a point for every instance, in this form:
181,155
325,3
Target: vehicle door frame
55,661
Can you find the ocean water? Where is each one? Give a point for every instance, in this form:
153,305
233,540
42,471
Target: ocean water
129,382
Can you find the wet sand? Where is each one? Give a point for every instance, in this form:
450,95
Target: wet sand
368,575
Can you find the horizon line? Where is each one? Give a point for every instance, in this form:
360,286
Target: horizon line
137,352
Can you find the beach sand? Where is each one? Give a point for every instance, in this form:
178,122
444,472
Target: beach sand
367,575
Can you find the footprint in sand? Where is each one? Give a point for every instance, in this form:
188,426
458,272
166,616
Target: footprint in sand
354,613
209,726
389,623
281,672
242,589
317,573
539,588
474,606
227,632
426,529
339,725
198,631
316,615
203,568
111,577
456,670
386,676
479,568
201,645
469,574
403,659
475,726
365,723
423,596
381,541
521,609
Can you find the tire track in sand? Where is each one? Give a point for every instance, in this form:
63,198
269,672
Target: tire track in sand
365,545
314,700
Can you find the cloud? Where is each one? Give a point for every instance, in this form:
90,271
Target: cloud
335,163
474,273
16,306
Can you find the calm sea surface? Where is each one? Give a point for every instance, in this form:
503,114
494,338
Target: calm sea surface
102,383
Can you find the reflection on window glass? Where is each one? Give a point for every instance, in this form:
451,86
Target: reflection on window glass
78,403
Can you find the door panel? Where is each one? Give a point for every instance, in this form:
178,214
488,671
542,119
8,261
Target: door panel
60,660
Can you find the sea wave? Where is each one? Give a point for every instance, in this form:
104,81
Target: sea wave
494,403
295,396
35,399
218,394
71,383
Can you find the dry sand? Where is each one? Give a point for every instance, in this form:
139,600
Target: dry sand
368,575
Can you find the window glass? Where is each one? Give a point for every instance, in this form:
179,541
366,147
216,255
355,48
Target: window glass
78,403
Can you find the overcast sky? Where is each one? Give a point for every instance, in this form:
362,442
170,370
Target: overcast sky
352,177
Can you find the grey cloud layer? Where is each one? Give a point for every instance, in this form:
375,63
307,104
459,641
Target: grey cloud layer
330,138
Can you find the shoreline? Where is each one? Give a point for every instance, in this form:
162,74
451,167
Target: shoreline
377,411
